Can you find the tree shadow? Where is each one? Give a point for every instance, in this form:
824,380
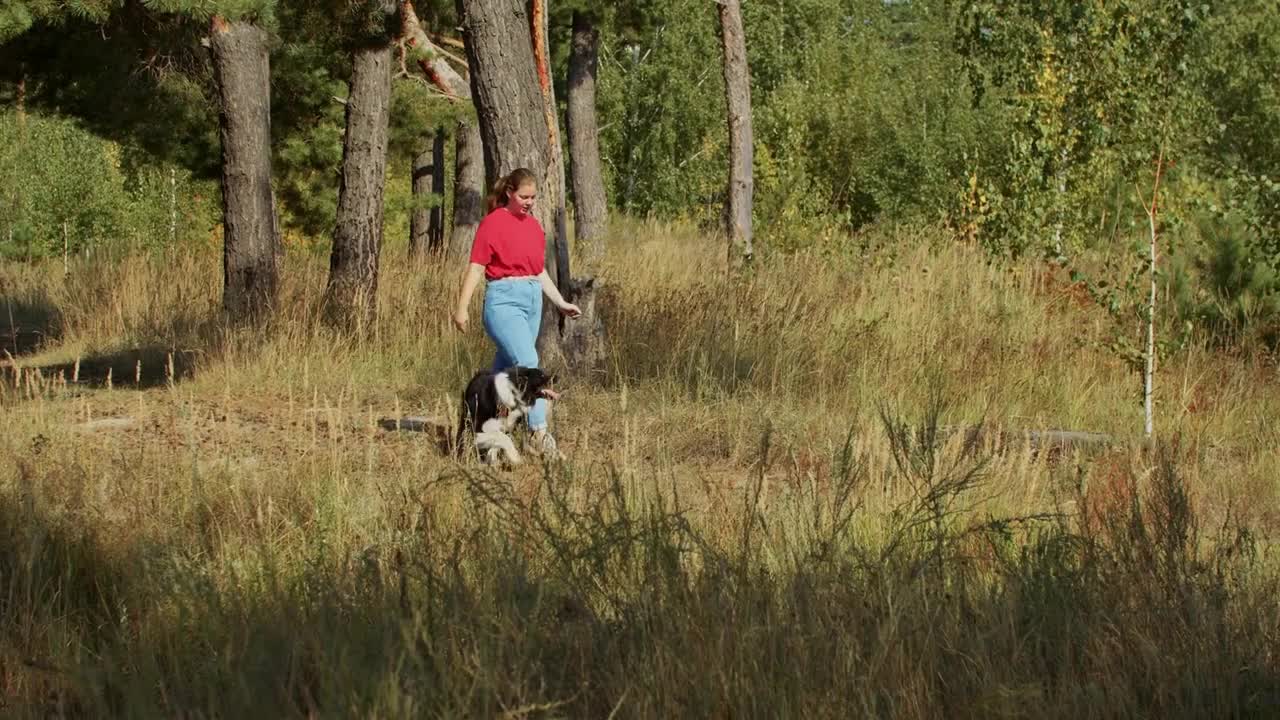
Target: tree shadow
33,323
61,582
542,585
136,368
28,324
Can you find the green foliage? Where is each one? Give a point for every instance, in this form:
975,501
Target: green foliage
15,18
135,79
258,11
308,120
168,205
53,173
1023,126
838,142
661,104
18,16
1239,70
834,112
417,110
1091,91
1227,287
308,123
367,22
60,183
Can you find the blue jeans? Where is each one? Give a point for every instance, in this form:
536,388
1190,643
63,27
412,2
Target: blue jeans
512,316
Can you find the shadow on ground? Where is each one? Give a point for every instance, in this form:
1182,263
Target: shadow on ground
137,368
336,632
27,325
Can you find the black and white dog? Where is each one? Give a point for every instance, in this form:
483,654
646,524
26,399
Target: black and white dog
494,402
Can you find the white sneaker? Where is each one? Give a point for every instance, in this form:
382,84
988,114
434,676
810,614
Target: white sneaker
541,443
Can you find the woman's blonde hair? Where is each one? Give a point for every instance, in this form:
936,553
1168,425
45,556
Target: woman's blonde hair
511,182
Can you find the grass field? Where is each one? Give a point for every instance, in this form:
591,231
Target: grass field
763,512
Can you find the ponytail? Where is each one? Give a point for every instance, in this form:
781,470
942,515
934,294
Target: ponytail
510,182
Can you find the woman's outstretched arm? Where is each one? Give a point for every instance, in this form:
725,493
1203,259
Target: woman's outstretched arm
553,293
470,280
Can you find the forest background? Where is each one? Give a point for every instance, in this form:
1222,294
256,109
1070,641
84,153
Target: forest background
893,464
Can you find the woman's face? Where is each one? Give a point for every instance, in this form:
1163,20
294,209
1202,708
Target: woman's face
520,201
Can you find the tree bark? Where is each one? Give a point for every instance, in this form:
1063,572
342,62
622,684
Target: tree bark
551,336
251,237
584,339
435,225
505,89
351,297
468,187
426,225
420,218
737,84
589,207
468,178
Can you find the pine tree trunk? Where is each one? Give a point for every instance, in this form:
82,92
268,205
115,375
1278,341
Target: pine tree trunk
505,89
251,237
426,225
351,297
420,218
435,221
584,149
584,339
551,337
468,187
737,82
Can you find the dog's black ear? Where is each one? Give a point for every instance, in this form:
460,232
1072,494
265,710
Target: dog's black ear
520,382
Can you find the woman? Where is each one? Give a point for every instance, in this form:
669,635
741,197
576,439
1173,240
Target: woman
508,252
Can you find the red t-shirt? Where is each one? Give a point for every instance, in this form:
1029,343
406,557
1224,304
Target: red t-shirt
508,246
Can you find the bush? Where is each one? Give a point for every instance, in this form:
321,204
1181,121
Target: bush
66,189
1226,287
57,178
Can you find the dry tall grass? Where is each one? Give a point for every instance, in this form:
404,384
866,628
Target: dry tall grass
762,513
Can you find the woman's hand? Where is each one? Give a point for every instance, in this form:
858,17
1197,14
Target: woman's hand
553,294
460,320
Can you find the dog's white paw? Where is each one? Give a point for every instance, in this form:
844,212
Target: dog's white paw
494,446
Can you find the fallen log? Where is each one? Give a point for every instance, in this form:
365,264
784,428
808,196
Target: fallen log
416,423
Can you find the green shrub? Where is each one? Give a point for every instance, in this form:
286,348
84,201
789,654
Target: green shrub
1226,288
62,188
